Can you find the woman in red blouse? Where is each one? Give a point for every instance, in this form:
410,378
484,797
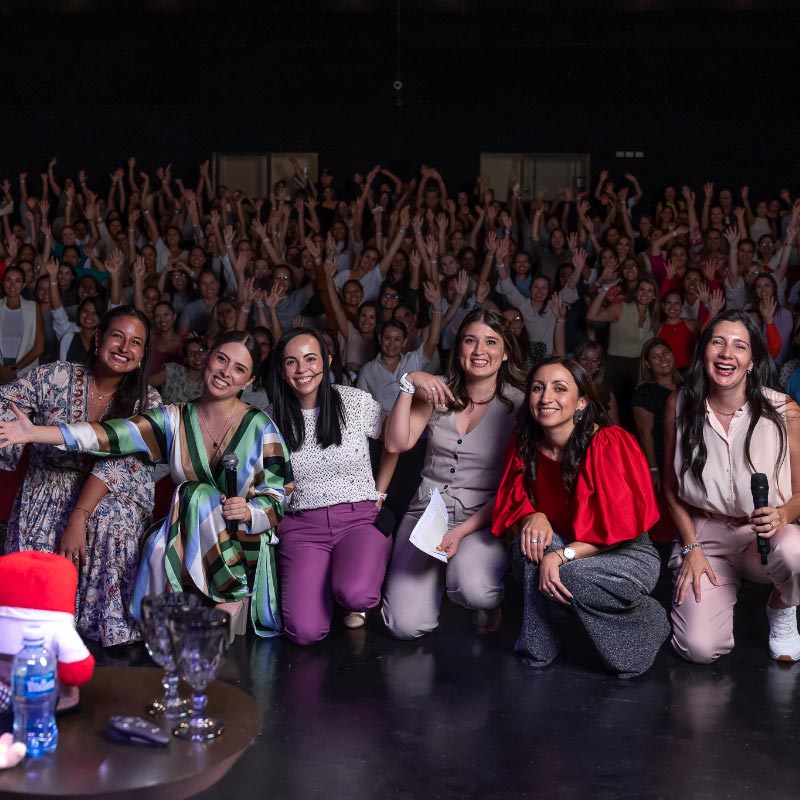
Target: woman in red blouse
578,494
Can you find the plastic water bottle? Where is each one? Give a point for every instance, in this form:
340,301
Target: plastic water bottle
35,694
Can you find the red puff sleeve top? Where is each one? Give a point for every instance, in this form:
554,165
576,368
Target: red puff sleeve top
613,500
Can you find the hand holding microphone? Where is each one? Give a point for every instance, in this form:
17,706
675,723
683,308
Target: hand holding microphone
759,486
230,462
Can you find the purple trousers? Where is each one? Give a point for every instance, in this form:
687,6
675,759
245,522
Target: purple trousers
334,553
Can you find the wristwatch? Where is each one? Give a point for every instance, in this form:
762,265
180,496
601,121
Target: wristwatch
569,554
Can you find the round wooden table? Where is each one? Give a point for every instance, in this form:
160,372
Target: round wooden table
87,764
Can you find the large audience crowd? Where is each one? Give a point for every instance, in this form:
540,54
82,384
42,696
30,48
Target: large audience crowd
575,374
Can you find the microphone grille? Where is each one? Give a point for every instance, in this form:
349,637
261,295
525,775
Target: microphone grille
230,461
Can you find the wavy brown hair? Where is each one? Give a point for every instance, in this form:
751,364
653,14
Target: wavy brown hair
510,373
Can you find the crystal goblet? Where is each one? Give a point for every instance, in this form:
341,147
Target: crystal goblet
200,643
156,609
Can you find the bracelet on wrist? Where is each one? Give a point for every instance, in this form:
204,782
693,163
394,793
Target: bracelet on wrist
687,548
653,469
54,283
244,309
406,387
381,495
561,322
85,511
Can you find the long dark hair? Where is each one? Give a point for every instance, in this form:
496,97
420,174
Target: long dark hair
695,391
510,373
132,389
286,409
529,434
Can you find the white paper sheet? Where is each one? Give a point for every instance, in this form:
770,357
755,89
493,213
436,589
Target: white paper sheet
432,526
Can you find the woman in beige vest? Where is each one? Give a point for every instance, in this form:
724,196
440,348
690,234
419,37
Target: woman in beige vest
469,416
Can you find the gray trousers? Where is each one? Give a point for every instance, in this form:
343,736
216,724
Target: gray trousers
415,581
611,599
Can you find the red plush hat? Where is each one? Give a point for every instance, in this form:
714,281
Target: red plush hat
39,588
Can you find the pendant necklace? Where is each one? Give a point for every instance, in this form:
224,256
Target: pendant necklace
97,397
215,440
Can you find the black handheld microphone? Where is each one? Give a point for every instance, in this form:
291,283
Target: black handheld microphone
231,463
759,486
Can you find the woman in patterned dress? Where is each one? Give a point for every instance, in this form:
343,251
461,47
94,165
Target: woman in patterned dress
92,511
192,546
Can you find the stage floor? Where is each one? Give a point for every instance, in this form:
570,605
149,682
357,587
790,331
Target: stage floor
456,716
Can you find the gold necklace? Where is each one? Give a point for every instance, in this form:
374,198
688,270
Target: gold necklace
98,398
216,441
723,413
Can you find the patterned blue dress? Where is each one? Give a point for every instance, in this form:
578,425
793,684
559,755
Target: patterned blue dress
55,394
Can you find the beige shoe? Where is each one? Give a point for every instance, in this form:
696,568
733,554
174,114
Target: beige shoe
355,619
238,614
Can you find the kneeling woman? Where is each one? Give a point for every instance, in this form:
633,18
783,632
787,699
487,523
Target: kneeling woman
469,417
580,495
330,549
192,545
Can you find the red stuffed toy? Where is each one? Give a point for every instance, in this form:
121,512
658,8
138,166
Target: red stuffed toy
39,589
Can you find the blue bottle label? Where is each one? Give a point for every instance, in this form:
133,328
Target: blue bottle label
37,685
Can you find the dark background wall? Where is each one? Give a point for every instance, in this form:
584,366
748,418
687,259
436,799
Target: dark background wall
706,93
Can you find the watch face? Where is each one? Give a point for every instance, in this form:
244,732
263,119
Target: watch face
569,553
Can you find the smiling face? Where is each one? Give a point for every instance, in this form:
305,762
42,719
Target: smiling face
367,320
390,299
88,318
353,294
646,293
481,351
727,356
764,288
209,286
672,305
554,398
13,283
150,298
630,271
302,368
121,347
392,341
661,361
591,359
163,318
521,265
540,288
228,371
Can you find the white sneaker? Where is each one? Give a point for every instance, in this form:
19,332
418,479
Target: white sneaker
784,640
